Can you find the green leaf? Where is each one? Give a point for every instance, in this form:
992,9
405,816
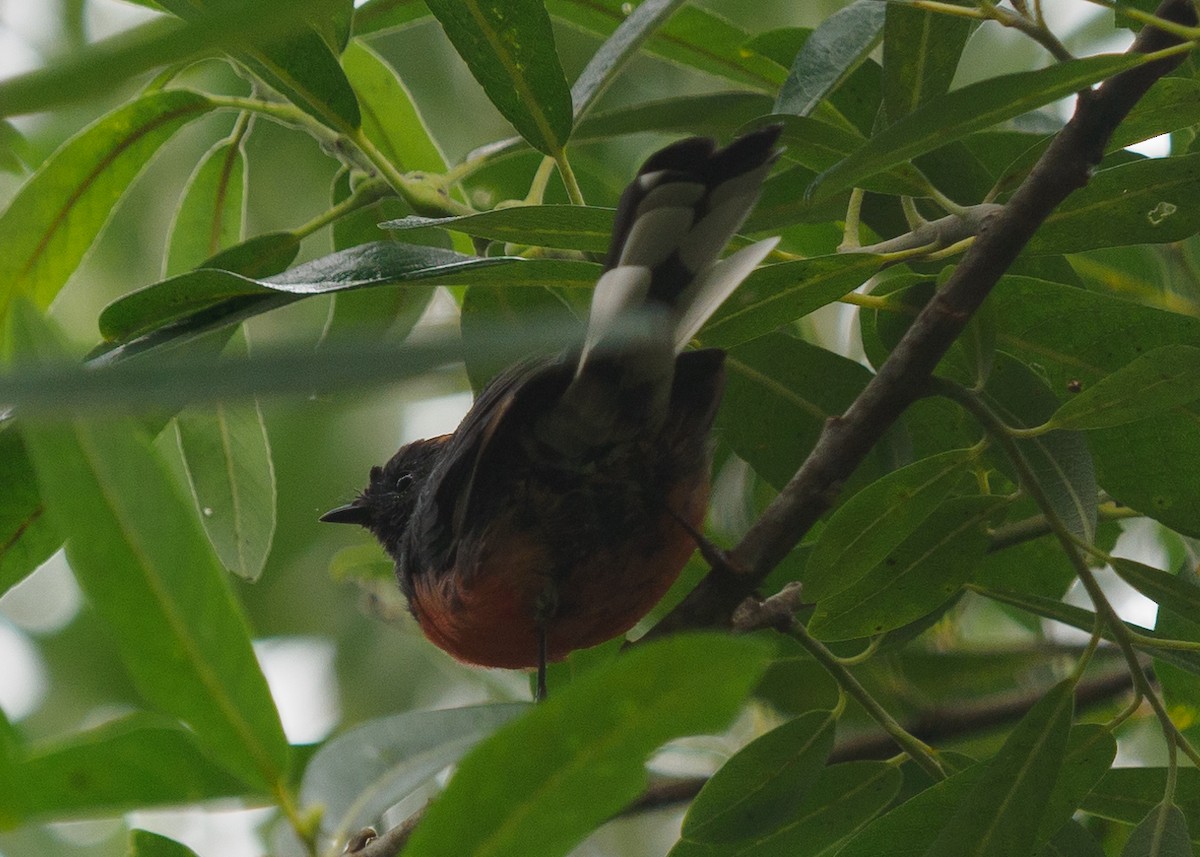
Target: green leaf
757,791
1162,833
692,37
99,69
1004,810
14,149
136,762
209,217
1180,690
296,62
835,805
571,227
143,843
27,535
819,145
1085,620
509,48
1072,840
261,256
772,378
1139,464
1172,103
366,265
783,203
542,783
1161,379
58,213
1129,795
1077,336
918,575
390,117
227,456
707,113
964,111
306,72
1090,752
916,821
333,21
1143,202
921,50
1059,460
372,312
775,295
141,558
359,774
876,520
617,50
1166,590
517,310
374,16
830,54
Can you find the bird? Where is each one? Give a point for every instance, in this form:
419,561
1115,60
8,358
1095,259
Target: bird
573,492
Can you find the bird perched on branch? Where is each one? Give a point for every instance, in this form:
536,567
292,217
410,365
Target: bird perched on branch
568,500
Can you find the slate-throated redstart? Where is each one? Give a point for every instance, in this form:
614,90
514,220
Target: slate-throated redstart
567,501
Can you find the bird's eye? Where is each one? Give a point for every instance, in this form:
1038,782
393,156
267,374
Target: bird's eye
403,481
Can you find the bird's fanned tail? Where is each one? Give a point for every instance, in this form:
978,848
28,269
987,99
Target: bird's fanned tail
661,282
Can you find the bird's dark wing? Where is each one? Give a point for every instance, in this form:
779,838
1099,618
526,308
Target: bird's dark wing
486,437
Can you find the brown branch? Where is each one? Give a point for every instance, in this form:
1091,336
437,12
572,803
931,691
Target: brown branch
1064,167
387,844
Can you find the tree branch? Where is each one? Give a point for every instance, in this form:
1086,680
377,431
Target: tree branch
1064,167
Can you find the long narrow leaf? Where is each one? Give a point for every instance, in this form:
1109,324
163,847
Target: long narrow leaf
58,214
830,54
964,111
617,50
509,48
139,554
592,741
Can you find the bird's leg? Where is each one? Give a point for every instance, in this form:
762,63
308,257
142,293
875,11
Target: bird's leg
714,555
540,695
547,606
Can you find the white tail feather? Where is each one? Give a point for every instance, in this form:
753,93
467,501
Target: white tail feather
711,288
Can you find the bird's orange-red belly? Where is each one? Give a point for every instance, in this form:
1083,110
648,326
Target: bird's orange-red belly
489,615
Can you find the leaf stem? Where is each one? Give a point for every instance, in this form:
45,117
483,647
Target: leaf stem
365,194
920,752
537,187
568,177
1121,634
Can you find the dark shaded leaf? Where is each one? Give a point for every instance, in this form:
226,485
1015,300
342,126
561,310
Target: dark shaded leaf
775,295
921,50
922,572
572,227
835,48
1150,201
965,111
693,37
509,48
757,790
876,520
791,387
1162,833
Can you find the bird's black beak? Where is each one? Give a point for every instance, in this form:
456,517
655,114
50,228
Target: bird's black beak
351,513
